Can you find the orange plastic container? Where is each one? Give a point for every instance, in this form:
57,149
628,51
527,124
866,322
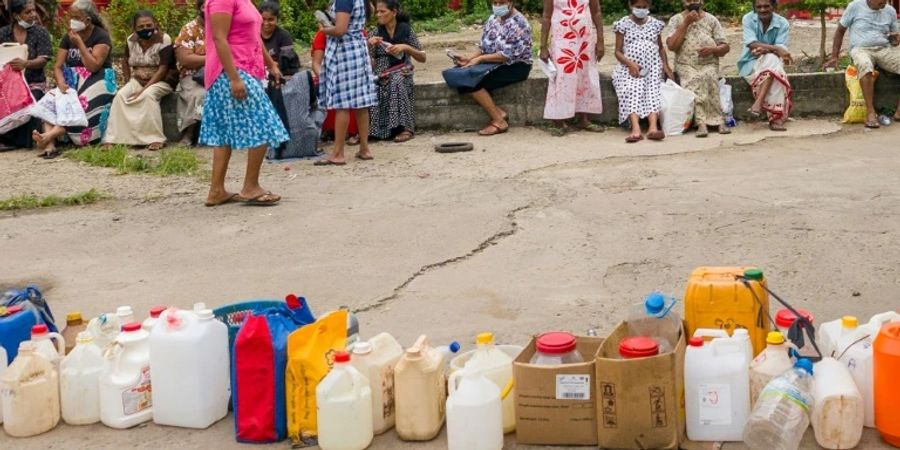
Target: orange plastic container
716,298
886,366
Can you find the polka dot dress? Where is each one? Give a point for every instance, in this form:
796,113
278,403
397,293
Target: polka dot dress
639,95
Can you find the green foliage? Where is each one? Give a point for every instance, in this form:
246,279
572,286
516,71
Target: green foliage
169,16
615,9
168,162
33,202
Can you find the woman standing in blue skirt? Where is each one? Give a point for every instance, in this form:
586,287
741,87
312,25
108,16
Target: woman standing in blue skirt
347,81
237,113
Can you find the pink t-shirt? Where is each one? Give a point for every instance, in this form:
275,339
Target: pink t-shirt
243,38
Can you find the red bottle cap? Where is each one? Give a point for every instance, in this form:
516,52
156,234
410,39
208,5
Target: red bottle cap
785,318
341,357
156,311
39,329
131,326
638,347
10,310
695,342
555,343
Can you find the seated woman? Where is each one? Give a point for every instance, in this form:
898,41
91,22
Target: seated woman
698,41
318,55
278,42
136,118
642,62
762,62
505,40
82,63
190,53
391,45
24,29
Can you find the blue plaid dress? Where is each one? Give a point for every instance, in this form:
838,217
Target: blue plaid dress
347,78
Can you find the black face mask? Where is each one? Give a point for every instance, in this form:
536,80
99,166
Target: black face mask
694,7
145,34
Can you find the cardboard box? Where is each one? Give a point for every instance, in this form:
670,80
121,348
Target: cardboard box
556,405
640,402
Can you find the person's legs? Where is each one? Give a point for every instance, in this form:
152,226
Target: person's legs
217,192
865,65
341,121
362,122
46,141
867,82
484,99
888,59
252,189
635,125
761,96
653,118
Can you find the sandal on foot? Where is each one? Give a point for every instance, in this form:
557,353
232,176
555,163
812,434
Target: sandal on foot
404,136
267,199
872,124
633,139
328,162
656,135
593,128
353,140
50,154
754,114
724,130
155,146
231,198
774,126
492,129
558,131
362,157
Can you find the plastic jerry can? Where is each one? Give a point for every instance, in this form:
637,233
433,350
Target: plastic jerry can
376,359
125,390
829,335
474,412
79,380
784,319
420,392
75,324
2,369
149,322
125,314
15,328
344,407
716,297
29,392
772,362
886,366
497,367
837,417
105,328
854,351
717,389
190,369
43,341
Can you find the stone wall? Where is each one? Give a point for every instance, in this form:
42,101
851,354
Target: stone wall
439,107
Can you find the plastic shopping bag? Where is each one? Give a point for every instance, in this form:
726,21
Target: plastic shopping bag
310,357
69,112
856,110
676,110
727,103
15,99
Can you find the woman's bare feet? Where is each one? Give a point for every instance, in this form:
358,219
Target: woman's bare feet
38,139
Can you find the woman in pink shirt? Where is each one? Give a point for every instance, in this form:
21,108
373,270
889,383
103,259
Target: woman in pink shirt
238,114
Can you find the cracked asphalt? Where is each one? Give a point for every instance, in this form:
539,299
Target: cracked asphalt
525,234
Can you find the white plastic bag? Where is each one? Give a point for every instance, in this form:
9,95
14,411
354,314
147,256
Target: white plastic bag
45,108
69,112
727,103
676,110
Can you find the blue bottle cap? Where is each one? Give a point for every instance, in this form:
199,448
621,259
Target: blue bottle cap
654,303
454,347
805,364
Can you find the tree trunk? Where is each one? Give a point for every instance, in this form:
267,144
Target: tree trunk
822,54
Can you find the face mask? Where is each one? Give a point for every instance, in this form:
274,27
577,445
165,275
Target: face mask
145,34
640,13
694,7
500,11
25,24
77,25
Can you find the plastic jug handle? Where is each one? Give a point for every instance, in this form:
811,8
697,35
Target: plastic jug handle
60,343
880,319
710,332
453,381
508,389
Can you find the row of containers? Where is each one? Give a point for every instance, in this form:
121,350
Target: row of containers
724,370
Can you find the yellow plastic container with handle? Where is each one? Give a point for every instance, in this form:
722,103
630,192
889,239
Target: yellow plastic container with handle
718,297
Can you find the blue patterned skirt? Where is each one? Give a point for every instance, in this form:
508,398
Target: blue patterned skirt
240,124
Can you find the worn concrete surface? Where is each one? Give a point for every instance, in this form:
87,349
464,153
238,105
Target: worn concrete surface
525,234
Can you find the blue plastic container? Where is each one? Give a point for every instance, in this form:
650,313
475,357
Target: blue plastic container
15,328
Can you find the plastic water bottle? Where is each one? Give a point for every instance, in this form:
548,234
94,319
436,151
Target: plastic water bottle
655,318
782,413
352,328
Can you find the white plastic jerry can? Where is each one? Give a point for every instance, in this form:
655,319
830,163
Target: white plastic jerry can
474,412
190,369
496,366
125,389
773,361
44,345
79,378
838,412
3,365
376,359
344,407
29,393
717,389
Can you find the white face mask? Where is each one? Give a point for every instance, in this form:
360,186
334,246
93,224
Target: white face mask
77,25
25,25
640,13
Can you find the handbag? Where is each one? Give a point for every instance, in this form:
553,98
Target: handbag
198,76
468,77
15,99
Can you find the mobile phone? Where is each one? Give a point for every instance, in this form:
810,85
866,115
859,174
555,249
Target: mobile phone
323,18
453,56
694,7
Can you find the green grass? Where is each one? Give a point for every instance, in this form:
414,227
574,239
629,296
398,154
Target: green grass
19,202
167,162
451,22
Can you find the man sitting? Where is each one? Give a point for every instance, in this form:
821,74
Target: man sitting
873,41
762,62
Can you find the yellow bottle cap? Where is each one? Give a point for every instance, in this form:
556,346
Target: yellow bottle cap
485,338
775,338
73,317
849,321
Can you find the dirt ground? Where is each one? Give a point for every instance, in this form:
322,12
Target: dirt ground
804,42
525,234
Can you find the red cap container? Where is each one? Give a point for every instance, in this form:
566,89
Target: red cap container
39,329
555,343
695,342
785,318
638,347
341,357
131,326
156,311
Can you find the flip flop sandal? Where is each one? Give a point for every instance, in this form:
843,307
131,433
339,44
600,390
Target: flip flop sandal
51,154
454,147
155,147
633,139
233,198
364,158
755,114
775,127
403,137
656,136
557,131
873,125
352,141
328,162
724,130
702,134
497,130
257,201
593,128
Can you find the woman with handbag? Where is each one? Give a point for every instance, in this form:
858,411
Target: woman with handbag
26,30
136,117
392,44
190,53
503,58
83,64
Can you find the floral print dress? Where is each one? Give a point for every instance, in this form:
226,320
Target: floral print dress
700,74
576,88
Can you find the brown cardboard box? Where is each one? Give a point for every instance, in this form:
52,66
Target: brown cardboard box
543,419
640,402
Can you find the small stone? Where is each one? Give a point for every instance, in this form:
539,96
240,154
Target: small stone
856,293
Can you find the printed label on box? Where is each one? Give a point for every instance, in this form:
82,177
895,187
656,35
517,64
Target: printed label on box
715,404
573,387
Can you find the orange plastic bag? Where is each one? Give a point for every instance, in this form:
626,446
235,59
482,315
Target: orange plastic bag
310,357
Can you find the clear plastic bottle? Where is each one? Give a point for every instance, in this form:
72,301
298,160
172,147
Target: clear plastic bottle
655,318
782,413
448,351
556,348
